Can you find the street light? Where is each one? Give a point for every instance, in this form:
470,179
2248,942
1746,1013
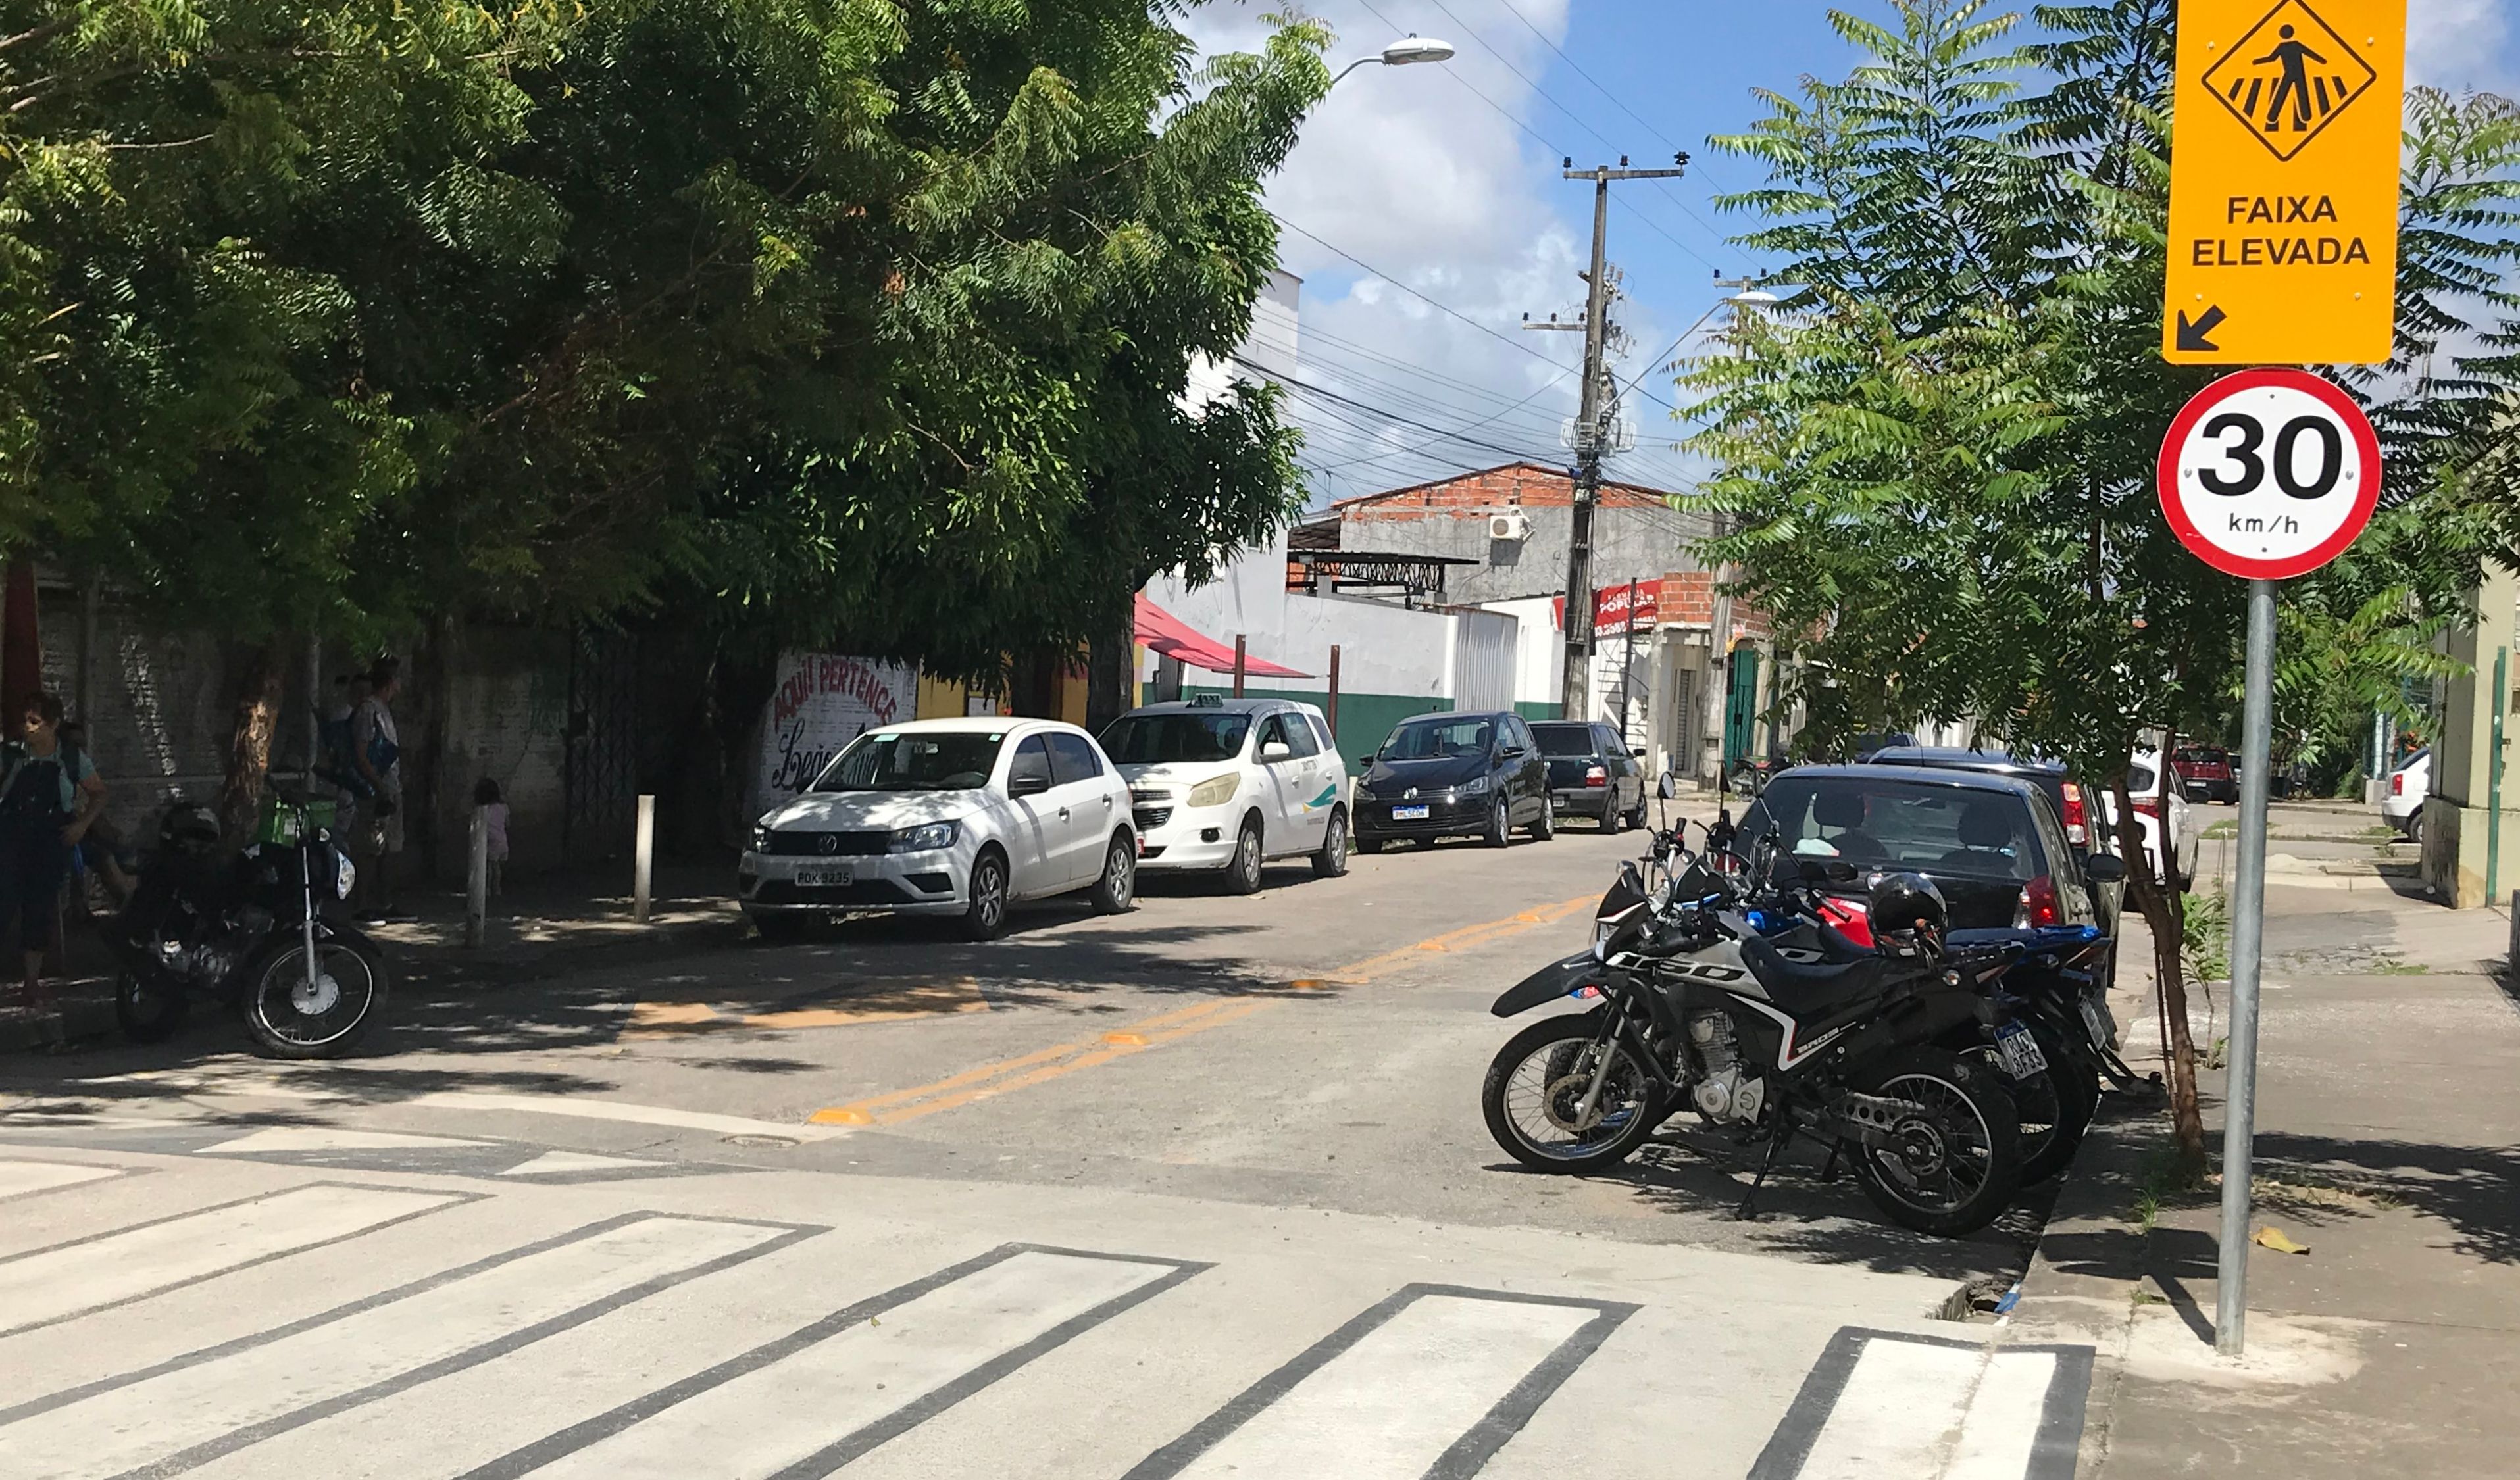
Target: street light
1754,297
1409,51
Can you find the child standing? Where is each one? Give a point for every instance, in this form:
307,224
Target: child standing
494,822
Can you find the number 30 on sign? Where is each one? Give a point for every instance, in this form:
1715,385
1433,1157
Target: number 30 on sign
2270,474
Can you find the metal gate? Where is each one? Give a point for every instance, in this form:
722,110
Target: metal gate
601,770
1742,708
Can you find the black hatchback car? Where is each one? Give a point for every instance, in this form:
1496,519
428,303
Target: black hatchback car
1455,775
1591,773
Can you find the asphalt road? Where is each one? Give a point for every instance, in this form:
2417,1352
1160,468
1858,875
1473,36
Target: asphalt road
1196,1189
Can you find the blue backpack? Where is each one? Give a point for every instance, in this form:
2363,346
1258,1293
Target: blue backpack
336,743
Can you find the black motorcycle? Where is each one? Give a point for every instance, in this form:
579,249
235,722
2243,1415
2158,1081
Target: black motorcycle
1721,990
253,928
2054,1038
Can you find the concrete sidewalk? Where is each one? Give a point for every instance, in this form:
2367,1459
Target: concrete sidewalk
2388,1142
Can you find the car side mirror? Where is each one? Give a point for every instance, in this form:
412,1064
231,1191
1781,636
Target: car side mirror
1638,753
1031,785
1512,753
1666,787
1276,751
2105,868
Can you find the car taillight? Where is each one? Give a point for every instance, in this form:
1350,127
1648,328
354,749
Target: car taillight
2077,823
2398,785
1596,775
2149,804
2038,905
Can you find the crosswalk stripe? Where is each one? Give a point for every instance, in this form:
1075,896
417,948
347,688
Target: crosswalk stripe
1883,1403
328,1138
1430,1382
816,1399
571,1163
187,1412
20,1177
67,1279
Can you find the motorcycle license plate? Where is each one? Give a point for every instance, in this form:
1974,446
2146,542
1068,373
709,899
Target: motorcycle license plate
2020,1051
839,875
2095,1016
1417,814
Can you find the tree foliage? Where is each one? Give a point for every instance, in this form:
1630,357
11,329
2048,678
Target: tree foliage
829,318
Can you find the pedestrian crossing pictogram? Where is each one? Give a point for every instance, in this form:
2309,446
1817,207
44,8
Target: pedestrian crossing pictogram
2288,77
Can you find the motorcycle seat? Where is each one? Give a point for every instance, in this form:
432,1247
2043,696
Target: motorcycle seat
1814,990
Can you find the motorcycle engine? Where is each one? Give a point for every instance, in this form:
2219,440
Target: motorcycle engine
1725,1095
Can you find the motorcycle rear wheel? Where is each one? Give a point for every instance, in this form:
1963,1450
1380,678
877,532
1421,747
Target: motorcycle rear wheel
287,1024
1954,1164
1536,1085
2065,1097
148,1013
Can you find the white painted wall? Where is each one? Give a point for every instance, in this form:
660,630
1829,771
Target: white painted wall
1540,648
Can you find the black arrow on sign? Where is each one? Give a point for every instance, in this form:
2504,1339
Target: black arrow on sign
2193,337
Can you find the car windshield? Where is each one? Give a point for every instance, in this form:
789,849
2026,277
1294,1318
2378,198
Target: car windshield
1564,739
1438,739
1150,740
890,760
1880,823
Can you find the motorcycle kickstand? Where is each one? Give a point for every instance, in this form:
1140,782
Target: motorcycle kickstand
1748,1211
1829,1169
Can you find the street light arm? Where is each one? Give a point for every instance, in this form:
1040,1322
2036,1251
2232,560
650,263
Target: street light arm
1353,66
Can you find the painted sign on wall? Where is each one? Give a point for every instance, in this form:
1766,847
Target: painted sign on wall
824,701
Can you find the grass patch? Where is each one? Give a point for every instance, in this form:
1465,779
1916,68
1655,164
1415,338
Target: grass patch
2400,968
2228,827
2164,1177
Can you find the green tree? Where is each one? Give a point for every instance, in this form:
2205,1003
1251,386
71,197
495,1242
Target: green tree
1938,454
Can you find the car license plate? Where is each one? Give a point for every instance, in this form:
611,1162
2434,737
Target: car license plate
2020,1051
1417,814
2095,1016
829,877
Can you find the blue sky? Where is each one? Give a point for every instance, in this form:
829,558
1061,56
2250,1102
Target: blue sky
1445,180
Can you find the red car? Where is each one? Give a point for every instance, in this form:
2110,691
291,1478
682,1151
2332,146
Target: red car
2206,772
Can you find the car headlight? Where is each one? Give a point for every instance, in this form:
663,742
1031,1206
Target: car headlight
1476,785
926,837
345,875
1215,791
760,839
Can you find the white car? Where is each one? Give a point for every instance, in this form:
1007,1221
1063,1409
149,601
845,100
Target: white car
957,816
2402,801
1228,783
2143,787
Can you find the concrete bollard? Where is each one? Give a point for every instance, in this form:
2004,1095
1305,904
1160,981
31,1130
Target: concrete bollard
476,879
643,859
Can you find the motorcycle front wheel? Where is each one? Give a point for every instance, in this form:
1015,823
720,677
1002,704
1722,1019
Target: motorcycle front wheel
1954,1159
1534,1091
290,1017
148,1012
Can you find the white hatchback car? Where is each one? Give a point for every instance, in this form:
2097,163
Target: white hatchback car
955,817
2143,786
2402,800
1228,783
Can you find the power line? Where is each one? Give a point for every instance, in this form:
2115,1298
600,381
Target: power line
1320,392
1439,306
1578,68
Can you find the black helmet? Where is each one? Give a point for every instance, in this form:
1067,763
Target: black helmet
189,826
1908,914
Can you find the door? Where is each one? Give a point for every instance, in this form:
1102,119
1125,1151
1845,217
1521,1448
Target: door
1312,776
1741,708
1273,750
1525,771
1038,837
1627,787
1087,809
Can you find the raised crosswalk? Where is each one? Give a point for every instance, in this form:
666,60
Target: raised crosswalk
547,1343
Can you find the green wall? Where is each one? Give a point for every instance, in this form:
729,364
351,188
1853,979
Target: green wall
1364,719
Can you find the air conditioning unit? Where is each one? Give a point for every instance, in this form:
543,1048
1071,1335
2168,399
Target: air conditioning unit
1510,526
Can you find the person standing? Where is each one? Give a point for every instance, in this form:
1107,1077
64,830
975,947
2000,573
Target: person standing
48,794
375,752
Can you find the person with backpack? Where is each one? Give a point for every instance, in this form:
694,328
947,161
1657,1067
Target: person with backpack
375,760
48,796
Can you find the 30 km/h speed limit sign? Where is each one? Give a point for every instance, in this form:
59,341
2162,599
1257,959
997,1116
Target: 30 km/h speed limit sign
2270,474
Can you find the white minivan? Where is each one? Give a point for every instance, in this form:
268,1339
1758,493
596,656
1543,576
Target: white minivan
956,816
1228,783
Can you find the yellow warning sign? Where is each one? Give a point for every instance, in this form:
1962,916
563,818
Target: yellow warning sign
2283,182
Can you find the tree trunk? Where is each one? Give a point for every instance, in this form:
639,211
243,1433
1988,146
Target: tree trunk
1111,667
2164,907
256,720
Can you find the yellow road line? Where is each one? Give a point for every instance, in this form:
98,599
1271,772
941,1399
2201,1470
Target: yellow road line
1062,1059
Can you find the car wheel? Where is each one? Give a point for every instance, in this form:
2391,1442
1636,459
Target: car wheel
1242,871
1637,814
1331,861
1118,890
985,913
2416,828
1546,827
1499,829
1610,821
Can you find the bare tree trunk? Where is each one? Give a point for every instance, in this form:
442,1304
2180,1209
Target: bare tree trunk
256,721
2164,906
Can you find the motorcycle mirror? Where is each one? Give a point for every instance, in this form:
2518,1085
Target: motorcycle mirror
1666,787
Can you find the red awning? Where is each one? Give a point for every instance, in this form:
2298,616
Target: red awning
1167,634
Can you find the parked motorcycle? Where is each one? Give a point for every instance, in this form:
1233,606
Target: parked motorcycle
1719,989
252,928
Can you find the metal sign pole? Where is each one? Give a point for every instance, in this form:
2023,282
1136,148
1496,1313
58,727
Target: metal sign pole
2248,933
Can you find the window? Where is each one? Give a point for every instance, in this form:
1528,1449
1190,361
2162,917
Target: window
1299,734
1516,732
1426,739
1572,741
1032,759
889,760
1612,743
1272,731
1896,825
1322,733
1148,739
1072,757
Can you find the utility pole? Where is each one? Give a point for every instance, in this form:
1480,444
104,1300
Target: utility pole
1589,438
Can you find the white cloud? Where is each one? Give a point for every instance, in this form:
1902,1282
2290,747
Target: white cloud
1410,170
2460,44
